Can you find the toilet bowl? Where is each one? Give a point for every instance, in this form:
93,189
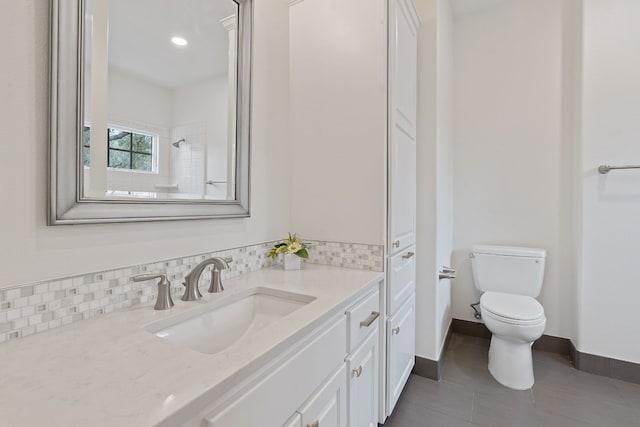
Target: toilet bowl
510,279
513,333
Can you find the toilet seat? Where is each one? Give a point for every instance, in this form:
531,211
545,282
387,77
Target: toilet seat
513,309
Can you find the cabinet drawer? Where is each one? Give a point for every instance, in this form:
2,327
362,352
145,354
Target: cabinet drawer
362,318
273,399
402,278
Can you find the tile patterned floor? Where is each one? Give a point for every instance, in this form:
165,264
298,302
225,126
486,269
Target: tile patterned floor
468,396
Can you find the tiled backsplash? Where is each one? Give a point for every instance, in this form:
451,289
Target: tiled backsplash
347,255
37,307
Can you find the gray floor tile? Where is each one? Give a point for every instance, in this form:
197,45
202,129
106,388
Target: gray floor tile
630,392
586,409
444,397
469,396
410,414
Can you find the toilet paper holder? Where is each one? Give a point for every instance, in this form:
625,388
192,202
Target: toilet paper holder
447,273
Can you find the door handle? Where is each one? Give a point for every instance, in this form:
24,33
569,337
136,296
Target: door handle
369,320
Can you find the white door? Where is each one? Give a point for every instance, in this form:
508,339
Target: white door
403,44
400,351
362,368
328,406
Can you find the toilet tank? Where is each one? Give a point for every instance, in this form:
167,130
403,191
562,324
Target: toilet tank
508,269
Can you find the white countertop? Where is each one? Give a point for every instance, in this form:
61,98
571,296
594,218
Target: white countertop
109,371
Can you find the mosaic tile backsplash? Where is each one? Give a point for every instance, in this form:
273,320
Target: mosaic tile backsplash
34,308
347,255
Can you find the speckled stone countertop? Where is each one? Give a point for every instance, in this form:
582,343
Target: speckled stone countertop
109,371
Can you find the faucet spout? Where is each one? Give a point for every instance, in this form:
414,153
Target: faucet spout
191,292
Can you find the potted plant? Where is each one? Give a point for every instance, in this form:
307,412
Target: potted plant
293,250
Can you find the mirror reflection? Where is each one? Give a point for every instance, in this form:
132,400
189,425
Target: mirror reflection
159,100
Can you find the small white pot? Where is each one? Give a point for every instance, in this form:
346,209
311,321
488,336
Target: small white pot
292,262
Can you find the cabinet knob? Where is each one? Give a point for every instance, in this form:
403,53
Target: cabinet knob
408,255
314,424
357,372
395,330
396,244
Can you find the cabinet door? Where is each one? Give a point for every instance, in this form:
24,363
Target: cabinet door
363,374
403,26
328,406
295,421
400,351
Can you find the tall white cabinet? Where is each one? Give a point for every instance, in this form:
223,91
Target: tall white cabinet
353,78
401,193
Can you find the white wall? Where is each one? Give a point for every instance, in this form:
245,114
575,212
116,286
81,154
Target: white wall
30,250
444,168
510,167
610,291
434,187
138,104
200,116
338,120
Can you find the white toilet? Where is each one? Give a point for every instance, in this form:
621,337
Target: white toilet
510,279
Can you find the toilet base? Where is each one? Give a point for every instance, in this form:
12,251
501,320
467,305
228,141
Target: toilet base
511,363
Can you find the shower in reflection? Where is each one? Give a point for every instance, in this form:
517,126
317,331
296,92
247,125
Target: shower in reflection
178,142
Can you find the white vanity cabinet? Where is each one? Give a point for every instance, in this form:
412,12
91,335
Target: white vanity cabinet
274,394
327,379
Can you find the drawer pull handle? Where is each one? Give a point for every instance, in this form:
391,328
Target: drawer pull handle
395,330
314,424
408,255
369,320
357,372
396,244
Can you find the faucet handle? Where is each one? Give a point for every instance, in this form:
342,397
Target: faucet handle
164,300
150,276
219,264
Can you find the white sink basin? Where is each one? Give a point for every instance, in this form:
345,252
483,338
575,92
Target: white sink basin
219,325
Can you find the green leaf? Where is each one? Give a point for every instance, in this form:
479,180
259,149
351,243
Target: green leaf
302,253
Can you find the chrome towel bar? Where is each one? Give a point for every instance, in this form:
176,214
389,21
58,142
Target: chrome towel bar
606,168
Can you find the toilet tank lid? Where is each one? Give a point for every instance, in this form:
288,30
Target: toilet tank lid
509,251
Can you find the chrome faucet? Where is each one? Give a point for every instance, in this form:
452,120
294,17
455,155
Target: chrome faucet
191,291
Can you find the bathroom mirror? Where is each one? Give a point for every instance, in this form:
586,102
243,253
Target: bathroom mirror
150,110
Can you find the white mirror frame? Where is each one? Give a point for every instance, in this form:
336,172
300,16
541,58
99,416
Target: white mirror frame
66,204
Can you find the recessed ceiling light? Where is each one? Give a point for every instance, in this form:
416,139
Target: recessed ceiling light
178,41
